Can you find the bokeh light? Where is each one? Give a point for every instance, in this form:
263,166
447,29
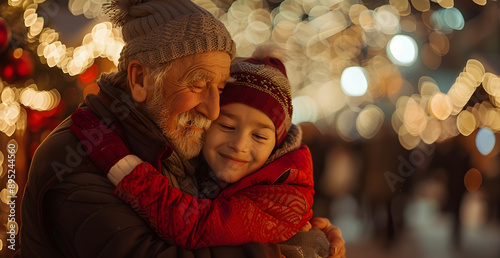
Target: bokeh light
346,125
354,81
305,110
369,121
414,118
473,180
432,131
407,140
466,123
353,65
446,20
345,58
421,5
485,140
402,50
440,106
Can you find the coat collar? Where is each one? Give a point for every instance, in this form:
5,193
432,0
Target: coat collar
141,135
298,163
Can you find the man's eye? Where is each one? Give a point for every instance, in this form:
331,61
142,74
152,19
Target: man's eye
221,90
197,86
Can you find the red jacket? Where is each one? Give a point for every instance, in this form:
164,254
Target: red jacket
258,208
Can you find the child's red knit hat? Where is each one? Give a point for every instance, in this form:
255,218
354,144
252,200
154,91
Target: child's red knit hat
261,82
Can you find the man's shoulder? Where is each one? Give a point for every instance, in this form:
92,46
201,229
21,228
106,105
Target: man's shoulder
56,141
58,156
55,150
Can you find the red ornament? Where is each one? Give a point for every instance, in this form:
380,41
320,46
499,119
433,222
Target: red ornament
19,65
90,74
35,121
5,35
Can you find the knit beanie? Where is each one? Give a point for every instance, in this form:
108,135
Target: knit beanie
261,82
159,31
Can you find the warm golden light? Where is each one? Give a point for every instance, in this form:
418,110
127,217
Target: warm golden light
355,11
414,119
37,27
432,131
460,92
366,20
330,97
466,123
440,106
30,19
5,196
407,140
439,43
427,86
8,95
323,39
369,121
446,3
480,2
421,5
401,5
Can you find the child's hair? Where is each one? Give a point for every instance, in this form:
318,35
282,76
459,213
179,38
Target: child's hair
261,82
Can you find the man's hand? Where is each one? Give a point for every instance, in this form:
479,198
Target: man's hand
306,227
333,235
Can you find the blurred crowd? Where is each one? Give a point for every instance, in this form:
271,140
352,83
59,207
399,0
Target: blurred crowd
439,200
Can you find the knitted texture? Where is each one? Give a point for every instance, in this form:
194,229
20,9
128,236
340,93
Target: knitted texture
159,31
104,146
262,84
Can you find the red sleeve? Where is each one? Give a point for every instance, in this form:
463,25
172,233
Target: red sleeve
266,213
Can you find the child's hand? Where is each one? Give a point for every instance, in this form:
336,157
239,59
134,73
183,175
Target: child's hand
333,235
104,146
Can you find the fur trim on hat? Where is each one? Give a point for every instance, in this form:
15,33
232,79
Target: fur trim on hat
269,50
291,143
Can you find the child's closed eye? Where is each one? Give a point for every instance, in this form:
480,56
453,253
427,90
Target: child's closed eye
260,137
226,127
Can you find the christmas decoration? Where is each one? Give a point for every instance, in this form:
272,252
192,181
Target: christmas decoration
5,35
19,65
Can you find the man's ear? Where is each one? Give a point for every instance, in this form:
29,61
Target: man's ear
137,80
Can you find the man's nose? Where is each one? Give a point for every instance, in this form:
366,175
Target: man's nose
209,105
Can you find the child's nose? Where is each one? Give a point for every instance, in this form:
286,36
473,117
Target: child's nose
239,143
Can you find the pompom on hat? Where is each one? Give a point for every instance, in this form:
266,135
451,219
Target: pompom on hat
159,31
261,82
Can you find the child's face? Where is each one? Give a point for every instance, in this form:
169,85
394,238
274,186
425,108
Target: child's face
239,142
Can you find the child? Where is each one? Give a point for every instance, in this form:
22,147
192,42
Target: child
252,145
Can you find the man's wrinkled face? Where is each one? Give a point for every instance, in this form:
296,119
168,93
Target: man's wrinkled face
187,102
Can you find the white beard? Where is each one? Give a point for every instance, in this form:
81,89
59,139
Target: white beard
186,141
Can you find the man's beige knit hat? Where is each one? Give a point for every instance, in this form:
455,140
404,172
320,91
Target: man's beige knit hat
159,31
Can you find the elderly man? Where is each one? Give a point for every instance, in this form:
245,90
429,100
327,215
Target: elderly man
171,71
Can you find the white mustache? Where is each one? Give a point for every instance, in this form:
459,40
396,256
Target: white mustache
194,119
